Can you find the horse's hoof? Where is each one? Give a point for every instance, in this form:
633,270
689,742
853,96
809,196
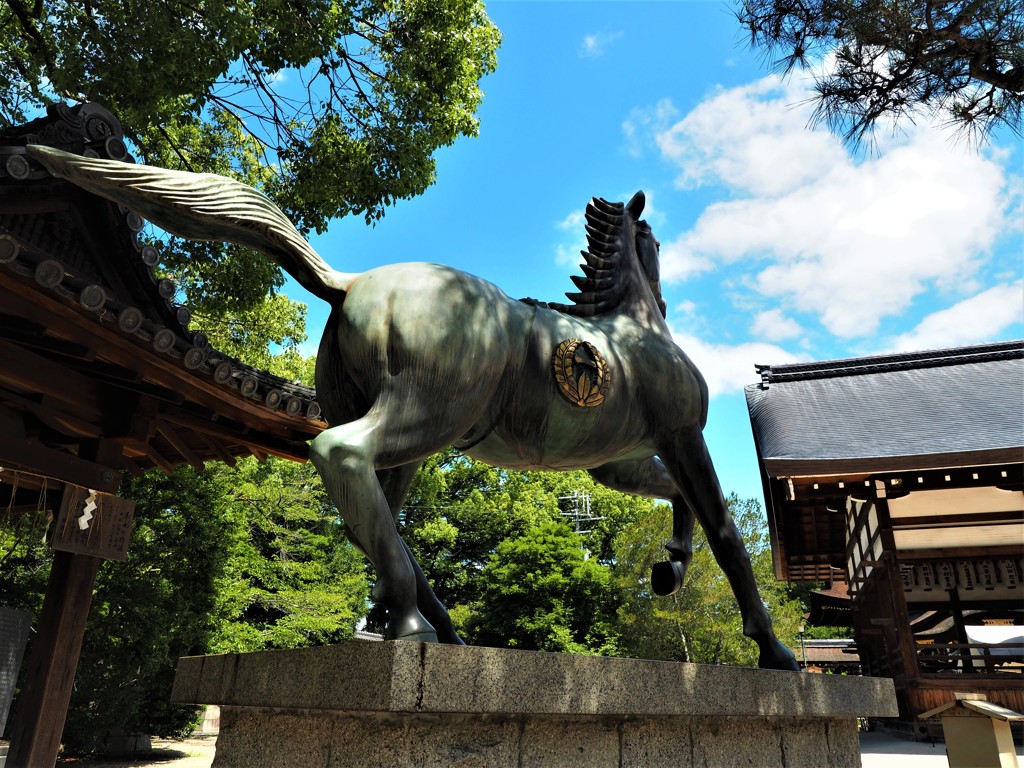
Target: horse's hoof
413,628
778,657
667,577
446,634
452,639
418,637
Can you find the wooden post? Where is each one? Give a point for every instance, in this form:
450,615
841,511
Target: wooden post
43,704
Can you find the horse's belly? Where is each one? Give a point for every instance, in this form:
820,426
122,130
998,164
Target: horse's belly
556,444
497,452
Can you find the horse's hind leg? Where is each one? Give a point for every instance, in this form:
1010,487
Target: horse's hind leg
345,457
694,474
649,478
395,483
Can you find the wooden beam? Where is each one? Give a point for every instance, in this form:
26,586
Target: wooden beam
30,372
255,442
216,448
822,489
43,704
136,431
38,340
179,444
52,413
962,553
957,521
32,456
126,379
159,459
878,465
260,455
900,615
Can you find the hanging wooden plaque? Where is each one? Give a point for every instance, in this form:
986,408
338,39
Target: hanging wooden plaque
93,523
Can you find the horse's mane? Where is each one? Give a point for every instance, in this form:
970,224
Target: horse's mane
603,284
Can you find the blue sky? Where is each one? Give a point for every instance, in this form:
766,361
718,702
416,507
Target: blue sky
778,245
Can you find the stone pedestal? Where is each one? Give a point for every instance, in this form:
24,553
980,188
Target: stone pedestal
398,705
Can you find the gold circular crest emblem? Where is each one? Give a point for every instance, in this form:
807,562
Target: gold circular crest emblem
581,373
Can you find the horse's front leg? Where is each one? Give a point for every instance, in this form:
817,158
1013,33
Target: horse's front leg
688,462
649,478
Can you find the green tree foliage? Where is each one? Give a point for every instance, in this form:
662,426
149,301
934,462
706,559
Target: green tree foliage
700,623
541,592
330,108
460,511
24,558
290,577
495,546
895,59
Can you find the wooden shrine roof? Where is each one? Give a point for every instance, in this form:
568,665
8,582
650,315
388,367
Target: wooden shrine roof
92,345
932,420
917,411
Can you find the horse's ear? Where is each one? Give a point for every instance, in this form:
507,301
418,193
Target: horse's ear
636,205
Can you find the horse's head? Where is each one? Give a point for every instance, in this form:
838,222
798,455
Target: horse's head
621,271
647,249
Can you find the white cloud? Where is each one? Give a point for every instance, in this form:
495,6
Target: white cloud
680,262
686,308
753,138
775,326
643,125
726,368
850,242
979,318
595,44
568,254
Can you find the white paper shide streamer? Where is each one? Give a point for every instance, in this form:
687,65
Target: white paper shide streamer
87,510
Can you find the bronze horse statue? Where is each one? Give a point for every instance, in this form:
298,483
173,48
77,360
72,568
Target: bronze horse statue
416,357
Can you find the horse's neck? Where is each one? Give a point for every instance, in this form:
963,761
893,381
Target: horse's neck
638,303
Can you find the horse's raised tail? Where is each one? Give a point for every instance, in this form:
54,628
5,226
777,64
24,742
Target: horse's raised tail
201,206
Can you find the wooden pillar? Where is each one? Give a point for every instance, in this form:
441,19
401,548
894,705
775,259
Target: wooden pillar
960,626
899,612
43,703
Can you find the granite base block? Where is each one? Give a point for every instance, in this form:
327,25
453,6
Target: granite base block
405,705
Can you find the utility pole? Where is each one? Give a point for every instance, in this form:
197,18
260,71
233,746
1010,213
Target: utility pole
576,508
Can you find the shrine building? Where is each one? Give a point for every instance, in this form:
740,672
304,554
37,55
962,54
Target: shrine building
898,482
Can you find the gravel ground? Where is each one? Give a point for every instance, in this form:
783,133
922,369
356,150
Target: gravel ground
195,752
883,751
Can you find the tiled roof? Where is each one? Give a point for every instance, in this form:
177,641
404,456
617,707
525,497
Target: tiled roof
79,297
931,406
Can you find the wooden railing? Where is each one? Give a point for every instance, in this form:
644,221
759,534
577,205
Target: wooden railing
960,658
